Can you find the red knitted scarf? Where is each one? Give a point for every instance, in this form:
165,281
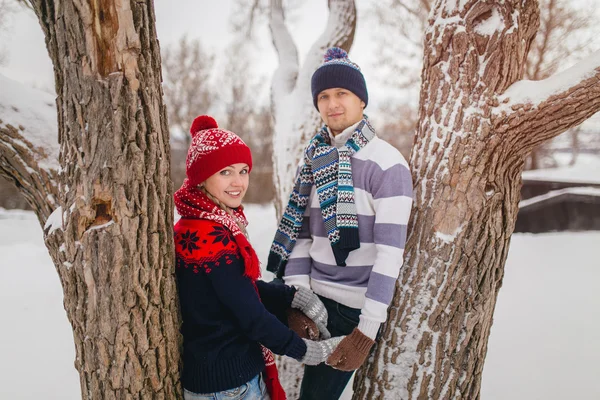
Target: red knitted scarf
193,203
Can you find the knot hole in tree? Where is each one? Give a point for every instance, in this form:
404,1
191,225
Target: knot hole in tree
103,212
490,190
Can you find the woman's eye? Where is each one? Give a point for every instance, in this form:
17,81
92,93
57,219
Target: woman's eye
244,171
224,172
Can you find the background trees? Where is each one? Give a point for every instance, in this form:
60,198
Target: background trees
187,70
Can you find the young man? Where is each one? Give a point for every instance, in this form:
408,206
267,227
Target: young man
343,232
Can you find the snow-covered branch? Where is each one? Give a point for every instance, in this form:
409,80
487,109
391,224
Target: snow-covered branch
540,110
29,144
339,32
285,76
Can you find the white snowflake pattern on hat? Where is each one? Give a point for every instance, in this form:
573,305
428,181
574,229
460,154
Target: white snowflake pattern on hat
209,140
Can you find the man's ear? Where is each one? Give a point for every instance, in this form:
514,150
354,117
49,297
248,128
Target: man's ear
362,104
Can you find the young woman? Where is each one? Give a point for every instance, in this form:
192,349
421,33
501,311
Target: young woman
228,333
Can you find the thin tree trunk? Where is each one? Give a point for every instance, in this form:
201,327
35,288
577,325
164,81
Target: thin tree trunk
111,237
574,145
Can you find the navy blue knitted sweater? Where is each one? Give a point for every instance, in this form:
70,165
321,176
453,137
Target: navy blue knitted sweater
224,320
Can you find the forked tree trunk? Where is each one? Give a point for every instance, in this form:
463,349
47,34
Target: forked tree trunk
111,235
295,117
467,162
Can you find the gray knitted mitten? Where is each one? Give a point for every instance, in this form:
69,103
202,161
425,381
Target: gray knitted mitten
318,352
310,304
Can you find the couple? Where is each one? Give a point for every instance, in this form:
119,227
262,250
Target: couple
338,248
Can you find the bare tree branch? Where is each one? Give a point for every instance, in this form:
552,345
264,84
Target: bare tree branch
18,164
25,3
416,12
547,23
29,145
246,15
187,70
253,11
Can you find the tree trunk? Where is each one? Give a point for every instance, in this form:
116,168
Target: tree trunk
111,235
467,161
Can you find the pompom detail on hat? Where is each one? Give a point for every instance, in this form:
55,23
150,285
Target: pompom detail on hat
338,71
201,123
213,149
335,52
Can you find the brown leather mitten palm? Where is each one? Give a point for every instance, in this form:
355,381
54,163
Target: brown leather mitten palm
352,352
305,327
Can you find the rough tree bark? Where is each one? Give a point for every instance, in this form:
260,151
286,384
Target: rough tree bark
295,117
110,234
476,126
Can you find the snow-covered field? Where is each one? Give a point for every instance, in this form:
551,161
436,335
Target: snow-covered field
544,343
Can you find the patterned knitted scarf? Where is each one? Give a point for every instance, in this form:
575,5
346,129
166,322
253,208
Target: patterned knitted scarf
330,170
193,203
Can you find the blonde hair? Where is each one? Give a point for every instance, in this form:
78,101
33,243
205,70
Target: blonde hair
225,208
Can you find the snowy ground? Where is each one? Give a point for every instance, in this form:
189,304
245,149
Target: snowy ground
544,342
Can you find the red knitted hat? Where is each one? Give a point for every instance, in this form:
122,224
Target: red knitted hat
213,149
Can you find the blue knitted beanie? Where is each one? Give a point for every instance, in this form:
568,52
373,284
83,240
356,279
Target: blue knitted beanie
338,71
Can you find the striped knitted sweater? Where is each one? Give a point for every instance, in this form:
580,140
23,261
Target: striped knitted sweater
383,197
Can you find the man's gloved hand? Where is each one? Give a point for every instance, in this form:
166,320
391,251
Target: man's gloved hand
302,325
310,304
317,352
351,352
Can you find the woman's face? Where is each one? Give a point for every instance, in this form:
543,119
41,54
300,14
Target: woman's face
229,185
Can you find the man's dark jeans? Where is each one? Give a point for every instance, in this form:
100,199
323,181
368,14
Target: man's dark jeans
322,382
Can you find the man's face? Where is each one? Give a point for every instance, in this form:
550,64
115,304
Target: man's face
339,108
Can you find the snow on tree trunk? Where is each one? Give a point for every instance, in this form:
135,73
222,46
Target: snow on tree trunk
110,234
295,117
472,138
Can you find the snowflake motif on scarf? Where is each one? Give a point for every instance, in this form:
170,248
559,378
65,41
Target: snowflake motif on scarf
192,203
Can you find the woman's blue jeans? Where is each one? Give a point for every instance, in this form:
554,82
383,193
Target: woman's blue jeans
254,389
322,382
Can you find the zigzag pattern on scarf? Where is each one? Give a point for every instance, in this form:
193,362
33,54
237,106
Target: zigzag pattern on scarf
330,170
